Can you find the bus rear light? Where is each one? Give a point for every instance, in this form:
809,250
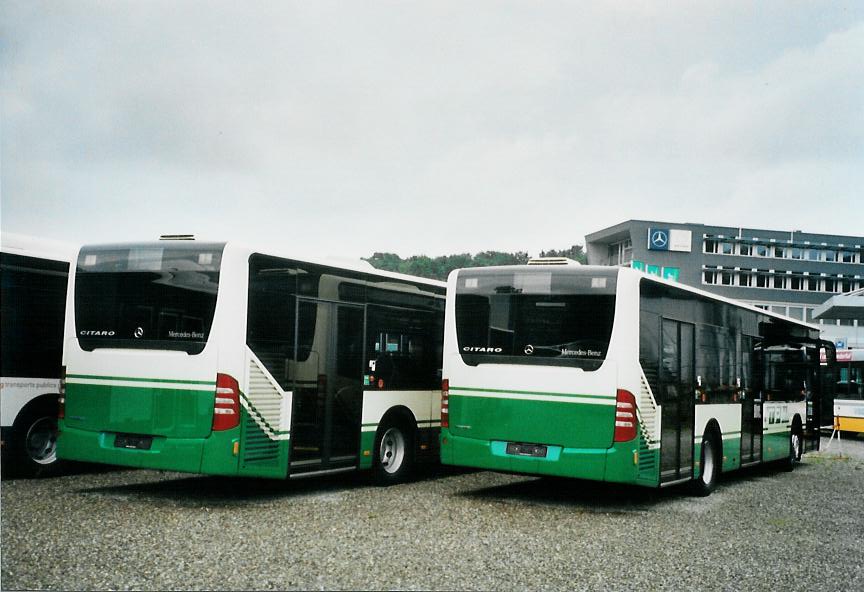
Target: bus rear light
226,403
445,403
625,416
61,400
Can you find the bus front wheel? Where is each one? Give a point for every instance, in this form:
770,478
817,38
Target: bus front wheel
709,466
394,452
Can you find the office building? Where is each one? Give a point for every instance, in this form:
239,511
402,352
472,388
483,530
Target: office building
787,272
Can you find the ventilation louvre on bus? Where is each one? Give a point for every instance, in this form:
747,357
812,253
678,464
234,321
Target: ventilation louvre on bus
445,403
61,400
226,403
625,416
552,261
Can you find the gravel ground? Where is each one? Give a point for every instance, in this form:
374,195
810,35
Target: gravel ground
761,529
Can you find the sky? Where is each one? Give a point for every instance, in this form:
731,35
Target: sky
342,129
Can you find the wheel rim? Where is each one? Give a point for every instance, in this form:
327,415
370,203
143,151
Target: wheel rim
41,441
796,446
707,462
392,450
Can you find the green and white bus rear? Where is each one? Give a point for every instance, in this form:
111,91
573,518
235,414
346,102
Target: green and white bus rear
220,359
609,374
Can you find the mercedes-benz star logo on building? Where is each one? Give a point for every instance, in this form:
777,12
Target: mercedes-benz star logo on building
659,239
529,349
139,332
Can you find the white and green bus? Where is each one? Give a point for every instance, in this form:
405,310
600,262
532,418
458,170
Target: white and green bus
34,274
612,375
221,359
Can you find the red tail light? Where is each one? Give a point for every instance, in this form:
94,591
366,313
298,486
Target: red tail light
625,416
226,404
61,400
445,403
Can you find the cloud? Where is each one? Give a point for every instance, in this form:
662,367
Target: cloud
426,128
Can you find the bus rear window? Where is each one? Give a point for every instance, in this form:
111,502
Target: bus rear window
560,317
146,296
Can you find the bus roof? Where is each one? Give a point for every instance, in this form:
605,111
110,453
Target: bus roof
586,269
41,248
359,265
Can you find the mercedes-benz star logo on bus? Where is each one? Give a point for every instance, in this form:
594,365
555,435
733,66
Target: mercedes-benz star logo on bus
529,349
659,239
139,332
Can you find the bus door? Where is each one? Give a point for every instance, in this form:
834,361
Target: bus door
750,395
328,394
677,386
823,375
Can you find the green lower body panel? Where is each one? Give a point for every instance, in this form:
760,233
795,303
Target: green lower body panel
212,455
367,449
775,446
617,464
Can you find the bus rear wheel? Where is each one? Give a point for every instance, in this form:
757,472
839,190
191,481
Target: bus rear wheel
709,466
394,452
33,446
796,448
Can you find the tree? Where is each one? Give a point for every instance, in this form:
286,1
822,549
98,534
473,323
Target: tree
439,268
575,252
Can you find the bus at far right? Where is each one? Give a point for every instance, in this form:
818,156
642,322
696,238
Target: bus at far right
849,391
610,374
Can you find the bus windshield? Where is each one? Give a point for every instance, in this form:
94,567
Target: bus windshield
146,297
560,317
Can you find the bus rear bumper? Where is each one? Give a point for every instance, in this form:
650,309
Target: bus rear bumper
172,454
598,464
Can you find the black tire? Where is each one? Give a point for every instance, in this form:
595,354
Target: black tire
33,441
394,452
796,448
709,466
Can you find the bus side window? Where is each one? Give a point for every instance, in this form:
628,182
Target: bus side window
271,316
400,348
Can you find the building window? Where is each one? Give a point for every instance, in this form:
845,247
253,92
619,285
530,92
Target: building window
812,283
726,277
796,281
779,281
727,248
745,278
846,256
778,309
779,252
830,284
845,285
760,250
710,245
621,253
745,249
830,255
811,254
796,312
709,276
762,279
796,253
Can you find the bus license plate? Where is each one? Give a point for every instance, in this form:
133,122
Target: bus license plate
133,441
536,450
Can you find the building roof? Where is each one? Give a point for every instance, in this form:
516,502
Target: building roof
842,306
